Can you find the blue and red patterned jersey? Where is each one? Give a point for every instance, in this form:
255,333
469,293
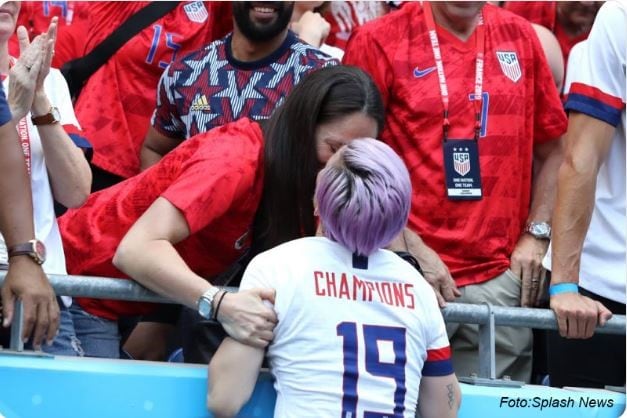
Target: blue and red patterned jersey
210,88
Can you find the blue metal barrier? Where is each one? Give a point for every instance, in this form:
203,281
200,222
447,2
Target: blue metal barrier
61,387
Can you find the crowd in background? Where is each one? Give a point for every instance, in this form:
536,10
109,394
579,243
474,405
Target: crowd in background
178,159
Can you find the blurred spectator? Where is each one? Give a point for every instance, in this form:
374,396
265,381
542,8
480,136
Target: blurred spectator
570,21
49,135
312,27
25,279
115,105
588,246
345,16
469,142
35,16
246,74
362,197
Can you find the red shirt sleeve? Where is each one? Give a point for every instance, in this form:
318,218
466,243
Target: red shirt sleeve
218,175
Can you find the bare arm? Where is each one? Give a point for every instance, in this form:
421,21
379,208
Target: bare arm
311,28
526,259
439,397
233,373
155,146
147,254
434,270
69,172
25,280
68,169
552,53
587,144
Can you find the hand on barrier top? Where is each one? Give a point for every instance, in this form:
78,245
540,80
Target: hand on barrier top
27,282
578,315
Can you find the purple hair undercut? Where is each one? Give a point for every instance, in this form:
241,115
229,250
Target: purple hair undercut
363,196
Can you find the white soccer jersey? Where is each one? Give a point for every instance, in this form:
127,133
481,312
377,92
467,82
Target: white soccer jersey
351,341
596,87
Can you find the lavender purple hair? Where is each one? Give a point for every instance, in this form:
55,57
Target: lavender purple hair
363,196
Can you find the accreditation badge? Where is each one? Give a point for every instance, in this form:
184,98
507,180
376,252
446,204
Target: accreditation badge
461,169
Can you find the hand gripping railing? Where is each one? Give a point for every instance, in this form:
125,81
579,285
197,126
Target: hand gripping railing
486,316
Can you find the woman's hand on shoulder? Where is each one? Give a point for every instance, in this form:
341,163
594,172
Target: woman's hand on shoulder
246,318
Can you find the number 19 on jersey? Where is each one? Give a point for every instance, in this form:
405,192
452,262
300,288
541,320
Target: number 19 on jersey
370,336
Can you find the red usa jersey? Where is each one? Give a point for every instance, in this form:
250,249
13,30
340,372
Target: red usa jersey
520,107
344,16
116,104
214,179
350,338
544,13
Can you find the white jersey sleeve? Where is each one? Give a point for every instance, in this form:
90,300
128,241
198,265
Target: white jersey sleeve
438,361
597,81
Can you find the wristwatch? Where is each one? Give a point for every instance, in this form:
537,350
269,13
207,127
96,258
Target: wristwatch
34,248
49,118
539,230
205,302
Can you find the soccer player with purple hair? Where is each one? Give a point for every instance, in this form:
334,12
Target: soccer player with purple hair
359,331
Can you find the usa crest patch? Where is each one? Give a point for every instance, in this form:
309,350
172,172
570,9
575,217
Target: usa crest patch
196,12
461,162
509,65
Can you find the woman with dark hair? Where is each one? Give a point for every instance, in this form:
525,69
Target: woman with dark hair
189,217
357,323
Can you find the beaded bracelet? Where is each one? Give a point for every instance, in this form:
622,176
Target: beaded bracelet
215,313
556,289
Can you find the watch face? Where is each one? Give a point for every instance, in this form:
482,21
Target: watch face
55,114
204,308
40,251
540,230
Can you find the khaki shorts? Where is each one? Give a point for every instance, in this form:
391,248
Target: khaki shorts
513,345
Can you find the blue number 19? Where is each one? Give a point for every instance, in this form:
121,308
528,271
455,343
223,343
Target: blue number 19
372,335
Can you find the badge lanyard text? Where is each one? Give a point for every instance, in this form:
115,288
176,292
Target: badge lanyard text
22,130
437,55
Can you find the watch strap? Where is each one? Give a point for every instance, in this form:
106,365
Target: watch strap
21,249
46,119
31,249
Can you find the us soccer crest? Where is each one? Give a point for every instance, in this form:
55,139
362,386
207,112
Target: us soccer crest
510,65
461,161
196,12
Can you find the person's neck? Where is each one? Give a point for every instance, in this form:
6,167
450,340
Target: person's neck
461,27
245,50
4,57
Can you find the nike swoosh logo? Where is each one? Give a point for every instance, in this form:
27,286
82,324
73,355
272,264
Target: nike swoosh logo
418,73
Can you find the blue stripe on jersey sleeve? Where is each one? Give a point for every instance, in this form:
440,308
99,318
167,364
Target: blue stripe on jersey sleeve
437,368
594,108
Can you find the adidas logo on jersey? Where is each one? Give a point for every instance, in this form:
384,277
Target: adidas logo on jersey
200,104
